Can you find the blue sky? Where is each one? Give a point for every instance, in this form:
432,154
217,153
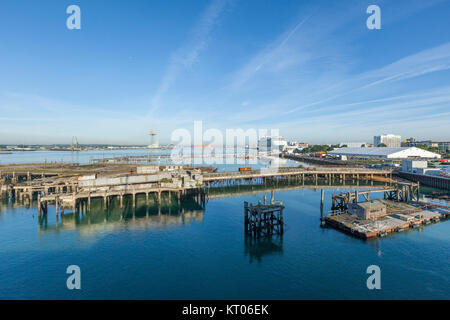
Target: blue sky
311,69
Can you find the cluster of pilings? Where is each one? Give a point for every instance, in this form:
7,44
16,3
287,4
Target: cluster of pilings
81,201
404,192
401,192
16,177
21,196
263,219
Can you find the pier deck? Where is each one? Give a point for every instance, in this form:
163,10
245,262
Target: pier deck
400,216
287,171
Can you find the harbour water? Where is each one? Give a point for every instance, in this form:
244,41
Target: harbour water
227,159
202,253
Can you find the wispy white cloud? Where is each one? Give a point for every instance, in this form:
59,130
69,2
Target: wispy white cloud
186,56
268,55
418,64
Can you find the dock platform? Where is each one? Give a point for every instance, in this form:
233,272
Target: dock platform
400,217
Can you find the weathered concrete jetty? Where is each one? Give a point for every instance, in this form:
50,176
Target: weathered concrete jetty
73,186
148,181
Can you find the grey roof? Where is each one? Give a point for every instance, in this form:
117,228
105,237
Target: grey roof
372,151
369,151
372,205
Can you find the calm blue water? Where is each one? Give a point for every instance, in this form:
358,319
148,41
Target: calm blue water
85,157
203,254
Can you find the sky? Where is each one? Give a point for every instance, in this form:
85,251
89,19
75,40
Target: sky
311,69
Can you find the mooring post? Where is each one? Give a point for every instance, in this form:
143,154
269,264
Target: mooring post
418,191
246,216
39,204
258,223
322,192
322,195
57,205
281,221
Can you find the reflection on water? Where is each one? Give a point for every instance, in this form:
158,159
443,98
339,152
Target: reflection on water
221,261
167,214
220,191
140,217
257,248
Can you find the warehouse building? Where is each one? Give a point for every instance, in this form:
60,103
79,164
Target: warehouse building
419,167
385,153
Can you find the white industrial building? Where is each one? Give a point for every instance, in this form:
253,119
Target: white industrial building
385,152
419,167
390,140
